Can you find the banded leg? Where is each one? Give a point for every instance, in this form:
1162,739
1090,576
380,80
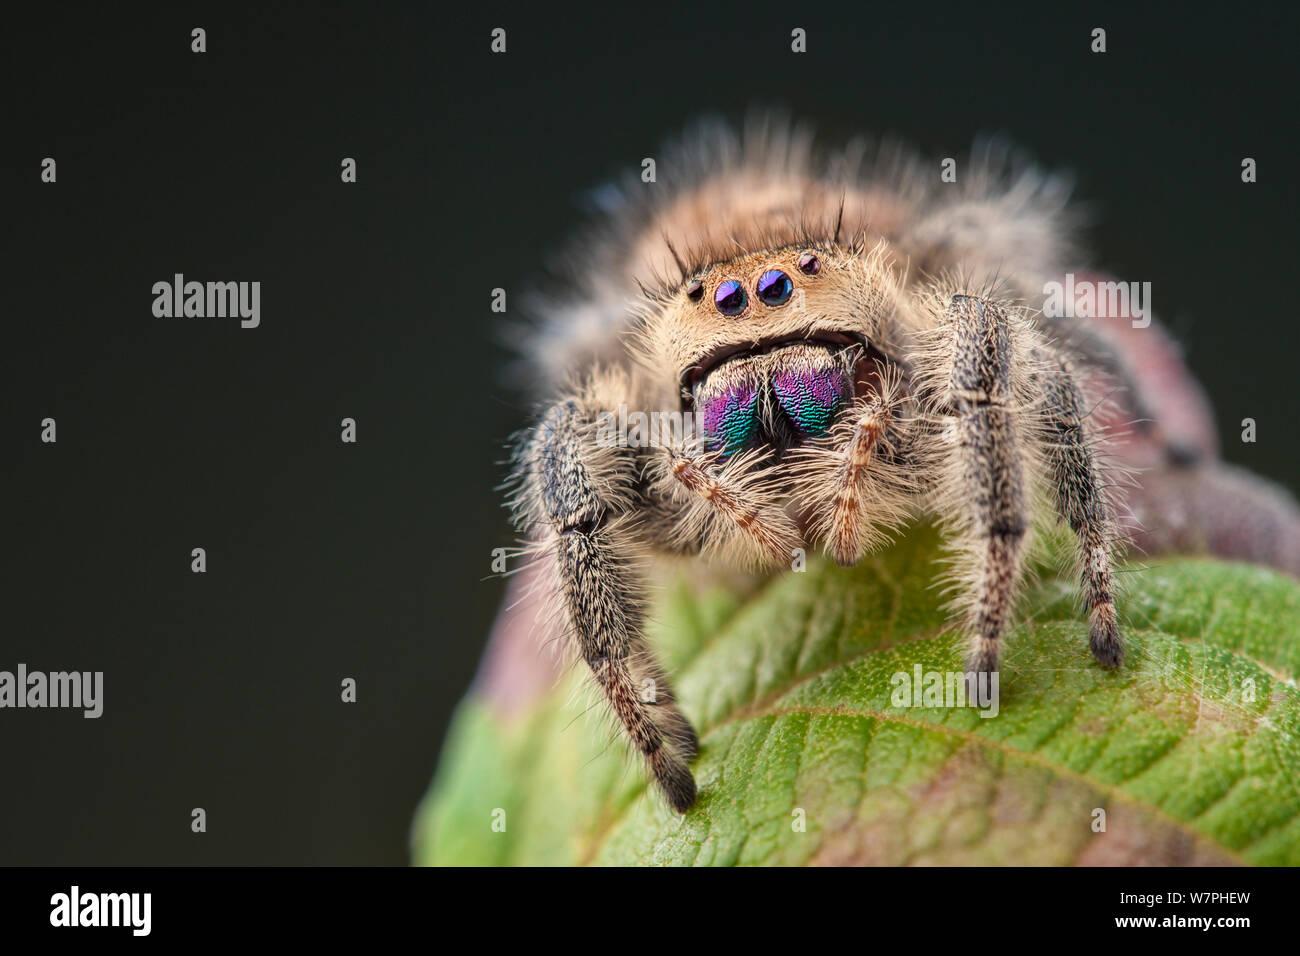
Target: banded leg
573,483
990,476
1081,503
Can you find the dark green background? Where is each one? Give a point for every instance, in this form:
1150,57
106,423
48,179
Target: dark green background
371,560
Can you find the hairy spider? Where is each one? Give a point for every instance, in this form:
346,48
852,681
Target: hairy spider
844,343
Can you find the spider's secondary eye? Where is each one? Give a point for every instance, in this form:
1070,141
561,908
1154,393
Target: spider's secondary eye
809,264
730,298
695,291
774,287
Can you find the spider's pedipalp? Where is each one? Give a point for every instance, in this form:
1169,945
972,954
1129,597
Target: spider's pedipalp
845,540
728,507
859,485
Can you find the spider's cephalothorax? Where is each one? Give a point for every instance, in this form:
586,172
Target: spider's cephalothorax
833,370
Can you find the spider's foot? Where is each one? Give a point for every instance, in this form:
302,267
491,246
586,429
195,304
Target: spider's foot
674,779
983,657
1103,636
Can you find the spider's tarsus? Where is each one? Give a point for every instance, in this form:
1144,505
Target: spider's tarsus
983,657
674,779
1103,637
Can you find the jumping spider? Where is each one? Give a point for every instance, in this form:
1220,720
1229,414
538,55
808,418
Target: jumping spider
843,372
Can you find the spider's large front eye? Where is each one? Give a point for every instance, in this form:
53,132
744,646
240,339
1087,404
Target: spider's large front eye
730,298
774,287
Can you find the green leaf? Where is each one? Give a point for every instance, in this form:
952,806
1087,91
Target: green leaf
1191,749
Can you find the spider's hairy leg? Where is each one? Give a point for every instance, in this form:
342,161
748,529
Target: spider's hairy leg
579,493
846,540
859,482
988,470
1081,503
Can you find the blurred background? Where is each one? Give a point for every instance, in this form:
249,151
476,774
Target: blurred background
371,560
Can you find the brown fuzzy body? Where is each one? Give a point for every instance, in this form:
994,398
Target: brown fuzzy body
966,405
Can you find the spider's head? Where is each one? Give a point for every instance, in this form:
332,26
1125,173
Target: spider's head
769,347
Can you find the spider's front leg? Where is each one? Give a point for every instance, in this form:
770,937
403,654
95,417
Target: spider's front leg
985,467
578,495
